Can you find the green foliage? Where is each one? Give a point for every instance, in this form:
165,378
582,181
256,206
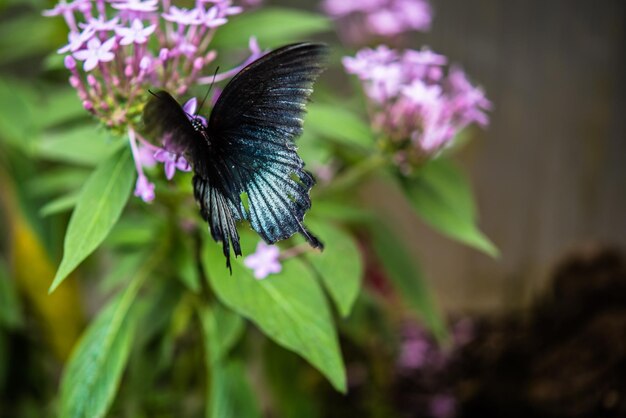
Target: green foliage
440,194
406,277
339,124
93,373
290,308
99,206
271,26
191,310
339,266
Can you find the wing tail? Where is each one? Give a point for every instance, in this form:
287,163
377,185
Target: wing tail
215,209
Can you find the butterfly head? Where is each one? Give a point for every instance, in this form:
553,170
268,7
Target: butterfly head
197,124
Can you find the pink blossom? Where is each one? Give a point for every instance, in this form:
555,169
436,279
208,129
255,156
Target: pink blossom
144,189
136,34
360,21
100,24
183,16
77,40
95,53
171,162
136,5
415,105
264,261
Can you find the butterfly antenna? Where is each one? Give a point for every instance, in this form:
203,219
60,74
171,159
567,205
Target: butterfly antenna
209,91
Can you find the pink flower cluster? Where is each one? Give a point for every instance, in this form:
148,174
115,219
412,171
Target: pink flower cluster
414,102
363,20
118,49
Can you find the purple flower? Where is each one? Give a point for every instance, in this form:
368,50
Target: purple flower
142,50
95,53
264,261
415,106
171,162
212,18
136,34
183,16
136,5
359,21
144,189
190,109
100,24
443,406
77,40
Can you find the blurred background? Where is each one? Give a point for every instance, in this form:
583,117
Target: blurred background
539,331
548,173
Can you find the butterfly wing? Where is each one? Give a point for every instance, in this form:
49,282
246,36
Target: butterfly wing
166,120
249,147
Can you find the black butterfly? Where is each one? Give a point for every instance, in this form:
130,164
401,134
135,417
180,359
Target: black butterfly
248,147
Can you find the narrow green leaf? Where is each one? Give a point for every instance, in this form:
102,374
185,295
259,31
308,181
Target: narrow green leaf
60,105
17,108
187,266
404,273
86,145
95,367
290,308
339,266
99,206
230,394
57,181
222,329
10,309
271,26
289,383
59,205
338,124
441,196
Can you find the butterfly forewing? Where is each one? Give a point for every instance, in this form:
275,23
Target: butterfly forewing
166,120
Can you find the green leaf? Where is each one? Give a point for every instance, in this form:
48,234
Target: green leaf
17,109
289,382
402,270
339,266
338,124
290,308
187,265
59,205
222,329
134,231
99,206
441,196
28,34
271,26
59,106
95,367
10,309
230,394
57,181
86,144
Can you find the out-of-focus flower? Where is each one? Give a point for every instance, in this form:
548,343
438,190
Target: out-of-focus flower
360,21
264,261
131,46
414,105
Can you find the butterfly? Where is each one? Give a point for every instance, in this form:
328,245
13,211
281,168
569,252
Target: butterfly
245,162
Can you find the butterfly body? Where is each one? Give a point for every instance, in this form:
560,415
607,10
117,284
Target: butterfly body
248,147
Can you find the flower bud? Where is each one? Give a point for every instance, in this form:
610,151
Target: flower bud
70,63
